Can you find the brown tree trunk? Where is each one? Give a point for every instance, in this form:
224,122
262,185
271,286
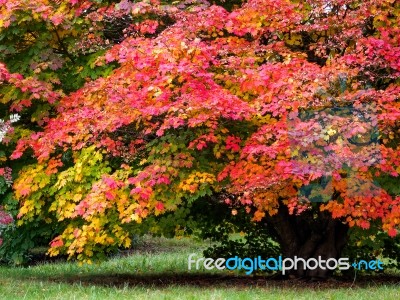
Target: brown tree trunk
309,235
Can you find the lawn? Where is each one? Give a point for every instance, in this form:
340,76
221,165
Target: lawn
158,270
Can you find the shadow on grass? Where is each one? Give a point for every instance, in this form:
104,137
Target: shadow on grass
229,281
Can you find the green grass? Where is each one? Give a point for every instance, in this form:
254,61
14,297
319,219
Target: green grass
158,270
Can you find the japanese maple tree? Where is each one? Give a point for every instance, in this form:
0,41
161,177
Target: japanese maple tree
289,109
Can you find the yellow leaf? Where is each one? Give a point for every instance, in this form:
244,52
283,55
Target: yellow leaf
127,242
135,217
77,197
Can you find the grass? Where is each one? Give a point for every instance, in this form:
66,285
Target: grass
158,270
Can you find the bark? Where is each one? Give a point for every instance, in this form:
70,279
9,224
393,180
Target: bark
309,235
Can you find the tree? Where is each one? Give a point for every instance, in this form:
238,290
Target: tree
288,109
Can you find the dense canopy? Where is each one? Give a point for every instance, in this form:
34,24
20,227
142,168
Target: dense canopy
131,109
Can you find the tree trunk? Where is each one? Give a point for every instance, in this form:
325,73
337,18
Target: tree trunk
309,235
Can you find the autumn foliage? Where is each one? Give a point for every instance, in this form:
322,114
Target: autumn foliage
270,105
